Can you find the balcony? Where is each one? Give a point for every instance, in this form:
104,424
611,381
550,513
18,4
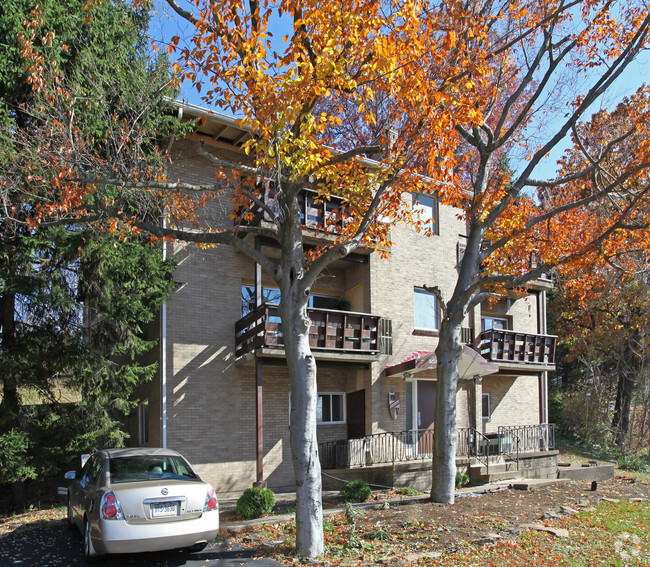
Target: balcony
340,334
510,348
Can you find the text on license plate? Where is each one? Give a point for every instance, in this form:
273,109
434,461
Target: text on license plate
163,509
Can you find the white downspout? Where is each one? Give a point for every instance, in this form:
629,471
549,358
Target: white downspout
541,313
163,356
163,323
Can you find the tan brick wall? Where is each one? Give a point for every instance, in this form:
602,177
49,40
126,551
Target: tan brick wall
521,312
513,401
415,260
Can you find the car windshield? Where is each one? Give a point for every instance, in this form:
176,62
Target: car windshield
149,467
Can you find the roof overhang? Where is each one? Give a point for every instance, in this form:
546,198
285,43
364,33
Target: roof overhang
471,364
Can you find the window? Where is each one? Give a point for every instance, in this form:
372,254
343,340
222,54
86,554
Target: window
272,295
330,408
269,295
486,406
426,208
92,468
426,312
143,423
324,301
498,323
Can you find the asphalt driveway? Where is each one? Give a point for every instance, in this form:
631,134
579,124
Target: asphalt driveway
52,544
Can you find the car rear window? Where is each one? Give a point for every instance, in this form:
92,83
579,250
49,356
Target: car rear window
144,467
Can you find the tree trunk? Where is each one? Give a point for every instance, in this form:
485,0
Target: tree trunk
443,482
10,404
628,368
303,438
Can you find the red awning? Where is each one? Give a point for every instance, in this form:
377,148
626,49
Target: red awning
471,364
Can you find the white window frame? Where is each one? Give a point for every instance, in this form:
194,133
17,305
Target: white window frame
422,291
484,397
426,208
331,394
143,423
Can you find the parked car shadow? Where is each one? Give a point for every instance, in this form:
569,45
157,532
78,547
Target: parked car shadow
53,543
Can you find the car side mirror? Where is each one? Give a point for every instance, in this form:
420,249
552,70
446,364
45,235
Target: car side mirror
70,475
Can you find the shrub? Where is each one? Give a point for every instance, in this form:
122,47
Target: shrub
461,479
406,491
635,463
377,533
255,502
355,491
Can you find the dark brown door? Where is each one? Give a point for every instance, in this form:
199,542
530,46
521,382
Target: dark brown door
426,415
356,414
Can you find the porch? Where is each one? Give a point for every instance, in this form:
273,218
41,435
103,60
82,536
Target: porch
404,457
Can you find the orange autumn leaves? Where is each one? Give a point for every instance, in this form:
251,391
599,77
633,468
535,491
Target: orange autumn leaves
293,73
611,231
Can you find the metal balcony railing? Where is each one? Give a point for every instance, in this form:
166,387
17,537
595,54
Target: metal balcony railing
330,330
417,444
498,345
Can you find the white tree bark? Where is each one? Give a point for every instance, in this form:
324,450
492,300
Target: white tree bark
303,439
443,482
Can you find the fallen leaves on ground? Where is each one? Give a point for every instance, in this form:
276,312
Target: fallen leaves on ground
488,529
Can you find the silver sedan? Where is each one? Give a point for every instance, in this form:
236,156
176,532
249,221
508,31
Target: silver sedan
136,500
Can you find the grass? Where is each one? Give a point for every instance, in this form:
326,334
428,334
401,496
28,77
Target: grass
615,534
573,451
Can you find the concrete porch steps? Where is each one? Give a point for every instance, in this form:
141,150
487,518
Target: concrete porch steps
480,474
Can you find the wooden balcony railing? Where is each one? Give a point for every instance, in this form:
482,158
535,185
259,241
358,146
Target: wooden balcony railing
510,346
330,330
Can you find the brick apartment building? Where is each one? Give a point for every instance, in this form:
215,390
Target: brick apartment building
373,335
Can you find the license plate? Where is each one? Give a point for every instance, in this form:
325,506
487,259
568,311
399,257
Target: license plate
164,509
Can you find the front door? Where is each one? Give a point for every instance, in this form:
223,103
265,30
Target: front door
426,415
356,414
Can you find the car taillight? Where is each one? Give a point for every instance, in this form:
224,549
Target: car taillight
210,500
110,507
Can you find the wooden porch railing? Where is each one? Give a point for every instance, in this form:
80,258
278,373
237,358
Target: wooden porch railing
330,330
510,346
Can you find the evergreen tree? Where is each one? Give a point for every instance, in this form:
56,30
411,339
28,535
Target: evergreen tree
73,300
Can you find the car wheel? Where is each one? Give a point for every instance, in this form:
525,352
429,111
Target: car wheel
90,555
197,547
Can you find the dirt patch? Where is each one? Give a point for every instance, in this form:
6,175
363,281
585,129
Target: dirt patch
417,526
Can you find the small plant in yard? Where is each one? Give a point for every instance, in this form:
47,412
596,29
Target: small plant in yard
406,491
255,503
378,533
350,515
355,491
461,479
